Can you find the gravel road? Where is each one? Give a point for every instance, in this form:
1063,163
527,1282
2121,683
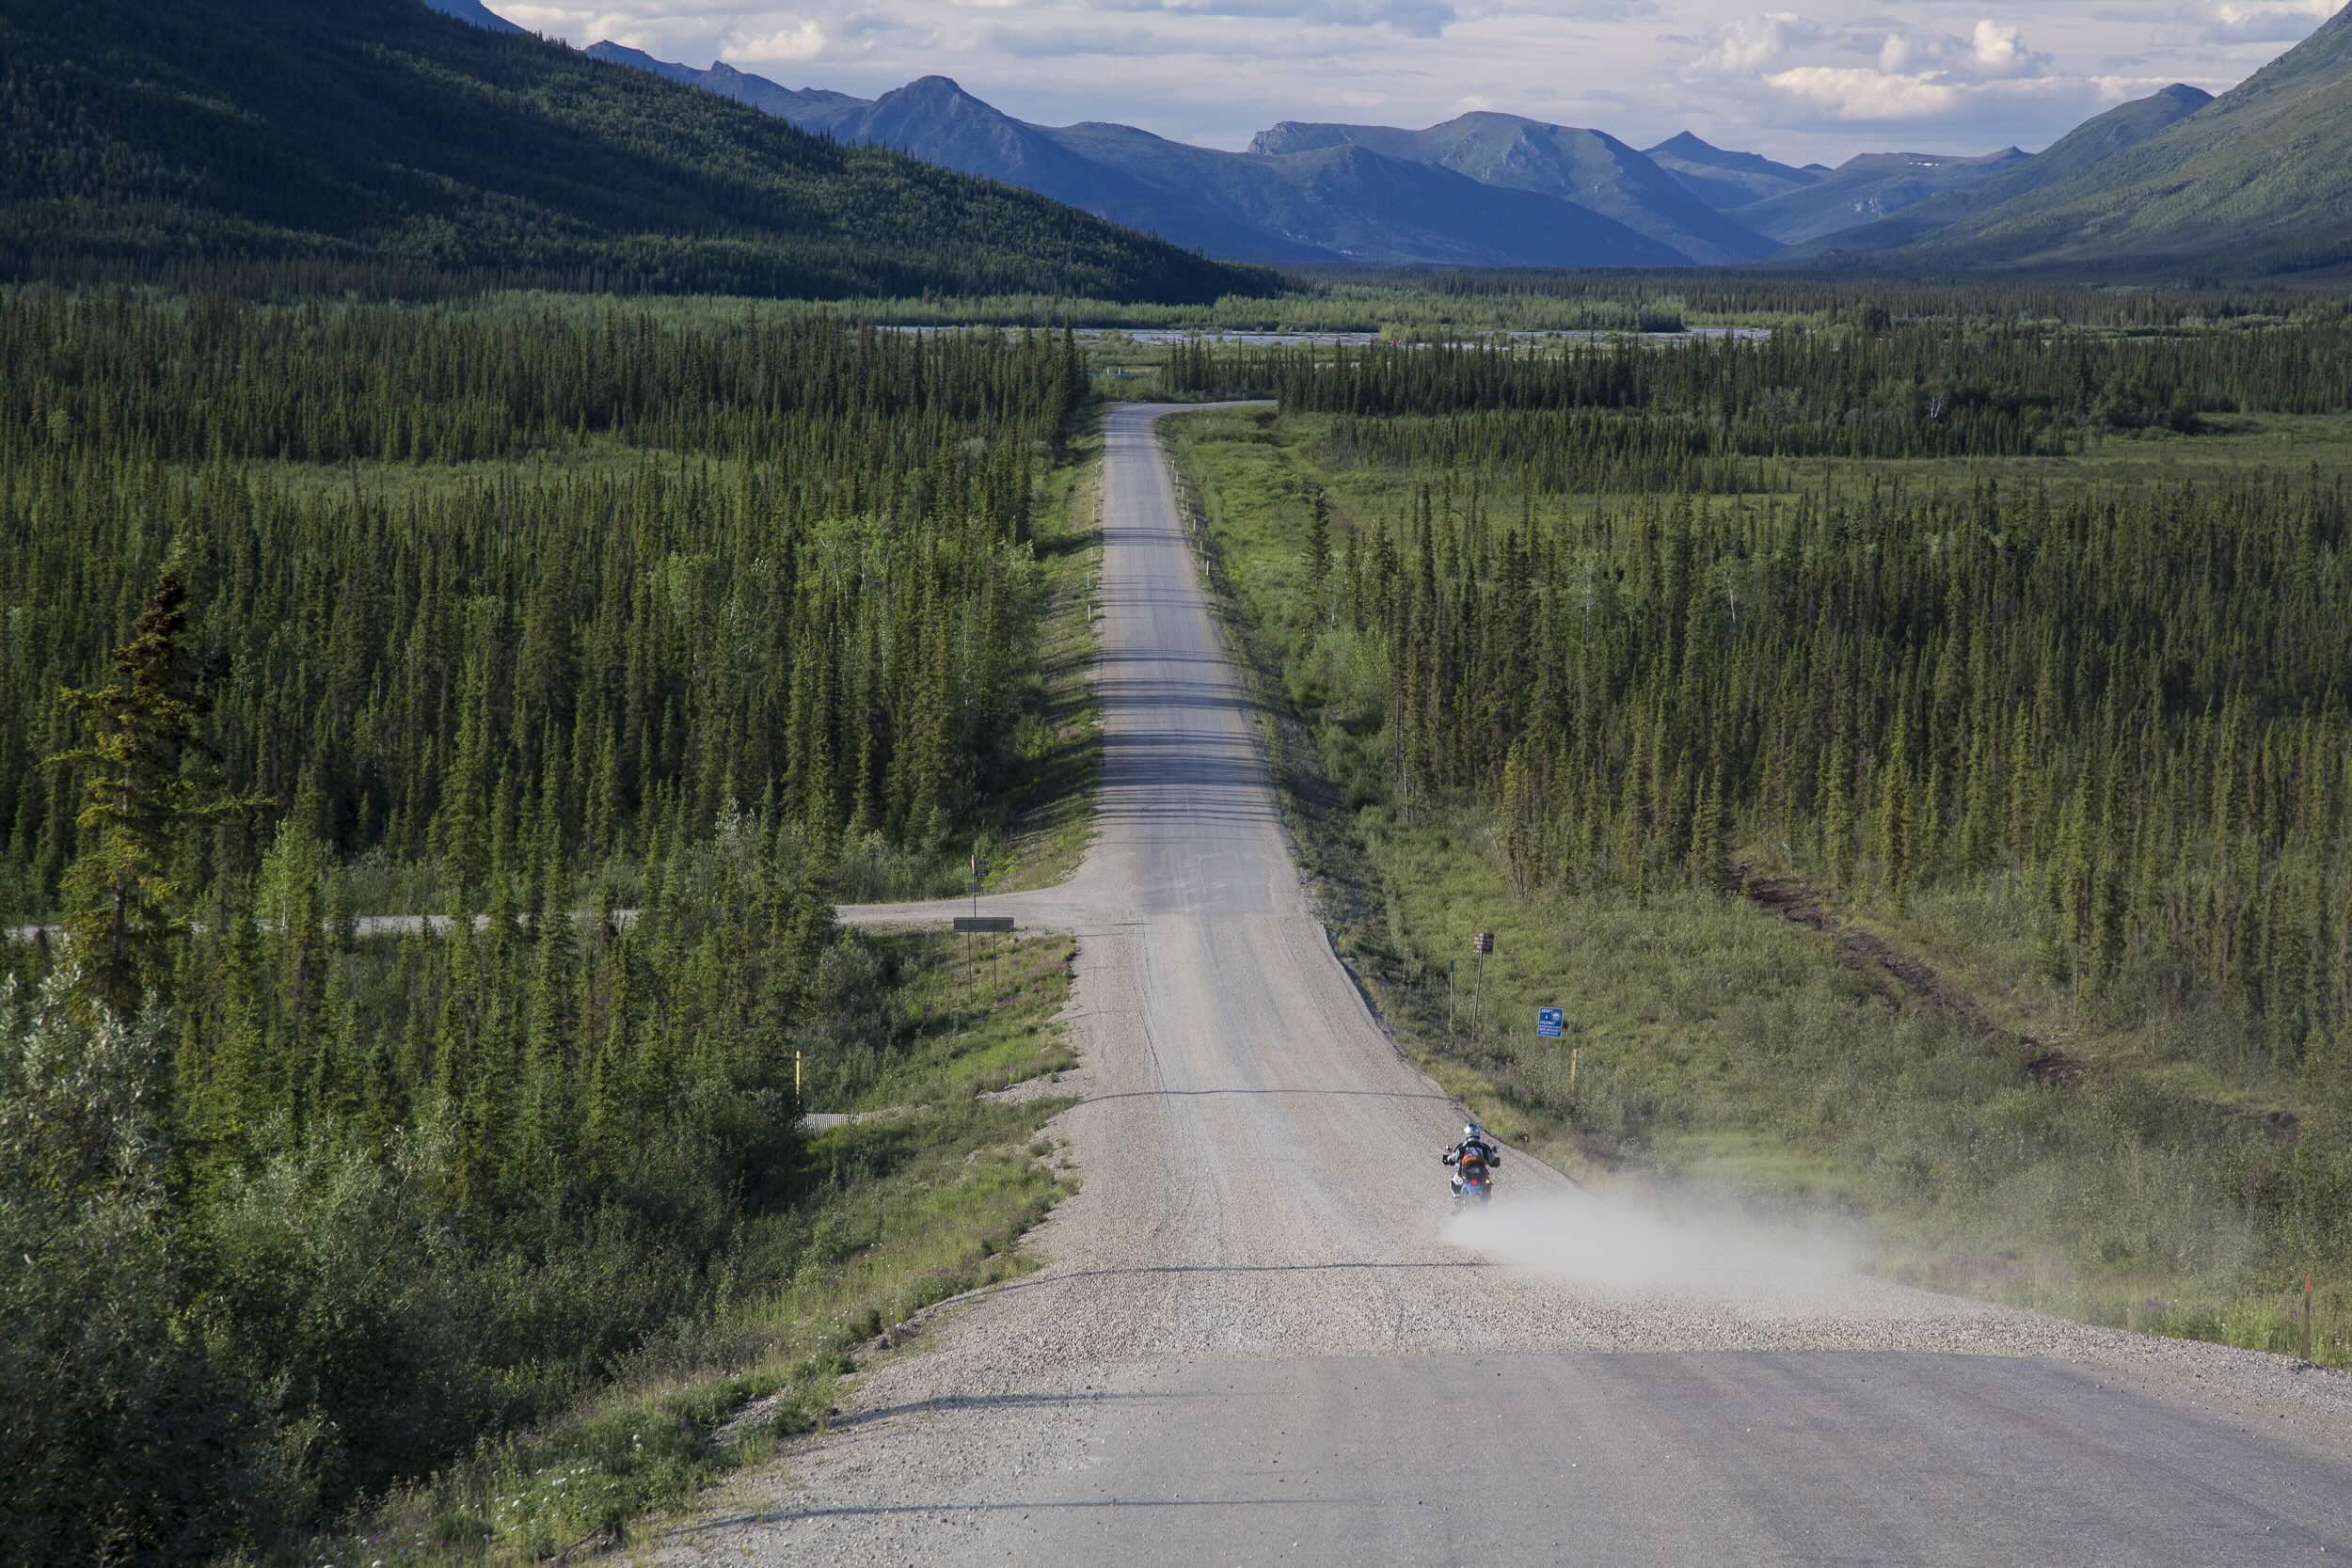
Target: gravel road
1261,1337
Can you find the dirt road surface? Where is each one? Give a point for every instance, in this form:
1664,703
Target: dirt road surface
1261,1338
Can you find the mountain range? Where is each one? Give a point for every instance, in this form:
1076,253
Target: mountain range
1324,203
370,142
2176,180
1586,169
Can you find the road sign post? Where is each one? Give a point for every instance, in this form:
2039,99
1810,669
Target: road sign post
971,925
1482,944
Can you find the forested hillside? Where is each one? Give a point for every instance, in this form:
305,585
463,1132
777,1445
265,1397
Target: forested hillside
376,144
536,613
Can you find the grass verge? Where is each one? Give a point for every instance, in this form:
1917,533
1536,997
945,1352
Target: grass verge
1061,739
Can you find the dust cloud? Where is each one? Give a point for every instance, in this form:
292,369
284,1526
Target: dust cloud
1646,1245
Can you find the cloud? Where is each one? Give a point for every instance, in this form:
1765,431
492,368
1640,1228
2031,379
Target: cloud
1994,51
2267,20
1858,92
1757,44
802,39
1057,43
1413,18
1920,75
1998,50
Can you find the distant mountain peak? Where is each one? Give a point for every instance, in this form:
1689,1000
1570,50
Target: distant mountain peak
474,13
1684,144
2186,94
637,59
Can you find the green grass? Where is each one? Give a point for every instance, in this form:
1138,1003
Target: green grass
986,1018
905,1213
1720,1046
1059,735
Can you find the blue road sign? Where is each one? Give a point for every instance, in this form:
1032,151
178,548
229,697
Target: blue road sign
1550,1022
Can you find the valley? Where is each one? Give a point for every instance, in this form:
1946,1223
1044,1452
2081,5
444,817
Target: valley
748,823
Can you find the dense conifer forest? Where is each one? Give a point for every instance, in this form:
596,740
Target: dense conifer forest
1625,415
362,610
2140,701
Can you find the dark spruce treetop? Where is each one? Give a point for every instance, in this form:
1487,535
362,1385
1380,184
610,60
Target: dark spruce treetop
374,143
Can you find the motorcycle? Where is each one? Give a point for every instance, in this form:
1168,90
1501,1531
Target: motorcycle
1474,1183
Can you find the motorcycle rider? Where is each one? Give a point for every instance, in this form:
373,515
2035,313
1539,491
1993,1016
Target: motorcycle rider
1475,1147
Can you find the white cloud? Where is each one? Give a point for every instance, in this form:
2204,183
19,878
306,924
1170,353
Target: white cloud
1992,51
2267,20
1057,43
1753,43
802,39
1999,51
1860,93
1412,18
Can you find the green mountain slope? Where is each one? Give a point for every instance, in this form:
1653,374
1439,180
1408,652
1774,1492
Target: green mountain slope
1956,211
1869,189
2260,179
377,136
1724,179
1589,168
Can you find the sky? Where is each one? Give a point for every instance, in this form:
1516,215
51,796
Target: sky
1819,81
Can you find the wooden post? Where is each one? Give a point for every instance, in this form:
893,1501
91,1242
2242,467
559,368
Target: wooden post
796,1077
2307,1315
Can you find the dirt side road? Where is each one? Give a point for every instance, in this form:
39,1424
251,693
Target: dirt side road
1261,1337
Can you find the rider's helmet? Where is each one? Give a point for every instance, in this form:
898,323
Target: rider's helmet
1473,1134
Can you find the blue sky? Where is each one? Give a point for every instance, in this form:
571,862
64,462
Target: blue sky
1801,80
